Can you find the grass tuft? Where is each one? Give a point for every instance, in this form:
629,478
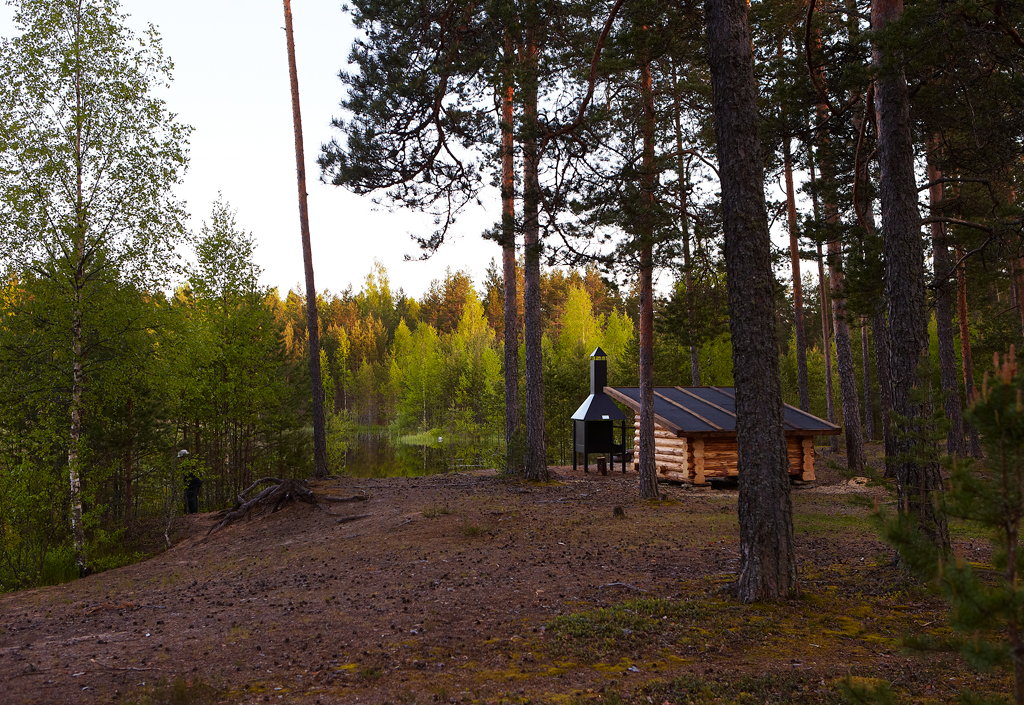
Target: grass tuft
623,627
179,692
371,673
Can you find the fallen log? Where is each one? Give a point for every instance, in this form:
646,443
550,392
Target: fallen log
275,496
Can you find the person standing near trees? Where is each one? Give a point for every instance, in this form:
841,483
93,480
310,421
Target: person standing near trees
193,481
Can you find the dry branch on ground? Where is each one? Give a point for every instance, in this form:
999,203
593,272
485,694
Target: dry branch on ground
275,496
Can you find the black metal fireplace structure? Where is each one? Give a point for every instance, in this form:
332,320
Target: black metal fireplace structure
593,424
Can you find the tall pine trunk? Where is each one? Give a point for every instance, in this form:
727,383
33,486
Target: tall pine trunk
840,326
869,416
536,447
880,337
955,441
513,428
844,362
864,202
691,314
798,286
973,442
826,342
767,553
880,329
645,234
312,319
826,336
849,395
684,226
918,483
1019,285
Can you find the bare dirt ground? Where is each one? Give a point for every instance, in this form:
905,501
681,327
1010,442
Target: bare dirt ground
468,588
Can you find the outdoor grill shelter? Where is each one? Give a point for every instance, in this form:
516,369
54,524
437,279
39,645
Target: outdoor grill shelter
593,423
695,433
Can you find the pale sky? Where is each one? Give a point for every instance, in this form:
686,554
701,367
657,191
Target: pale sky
231,84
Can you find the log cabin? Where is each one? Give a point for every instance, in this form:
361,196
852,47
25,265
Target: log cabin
695,433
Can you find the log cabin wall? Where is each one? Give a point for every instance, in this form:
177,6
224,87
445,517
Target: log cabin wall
694,459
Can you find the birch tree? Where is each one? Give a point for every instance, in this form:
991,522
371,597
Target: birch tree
88,158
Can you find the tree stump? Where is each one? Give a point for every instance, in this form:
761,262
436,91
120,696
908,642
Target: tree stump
275,496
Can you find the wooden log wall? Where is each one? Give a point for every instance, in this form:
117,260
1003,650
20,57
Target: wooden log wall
696,459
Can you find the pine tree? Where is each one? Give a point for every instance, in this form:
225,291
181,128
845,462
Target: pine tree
991,494
768,567
918,483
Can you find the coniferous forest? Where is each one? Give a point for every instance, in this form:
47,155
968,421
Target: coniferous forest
828,202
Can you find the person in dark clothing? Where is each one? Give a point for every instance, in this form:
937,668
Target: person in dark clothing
193,484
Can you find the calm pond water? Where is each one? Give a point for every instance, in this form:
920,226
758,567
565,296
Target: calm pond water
382,455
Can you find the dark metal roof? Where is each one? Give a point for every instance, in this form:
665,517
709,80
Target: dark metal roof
711,411
597,407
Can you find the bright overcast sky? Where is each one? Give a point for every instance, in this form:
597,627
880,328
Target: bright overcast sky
231,84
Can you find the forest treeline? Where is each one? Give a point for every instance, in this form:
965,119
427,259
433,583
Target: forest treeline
892,132
218,368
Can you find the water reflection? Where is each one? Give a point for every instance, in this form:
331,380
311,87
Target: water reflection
383,455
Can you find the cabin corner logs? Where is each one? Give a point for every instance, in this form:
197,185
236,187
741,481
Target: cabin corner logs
695,433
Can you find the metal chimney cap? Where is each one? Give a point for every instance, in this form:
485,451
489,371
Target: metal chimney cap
598,354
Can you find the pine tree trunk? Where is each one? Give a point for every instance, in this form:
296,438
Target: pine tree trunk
826,338
833,441
691,315
767,553
513,429
918,483
880,336
312,319
863,194
536,448
798,287
682,167
1019,281
645,234
869,415
1014,298
841,328
880,332
844,362
955,440
826,342
973,442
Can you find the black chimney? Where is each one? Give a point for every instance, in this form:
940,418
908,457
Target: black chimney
598,371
